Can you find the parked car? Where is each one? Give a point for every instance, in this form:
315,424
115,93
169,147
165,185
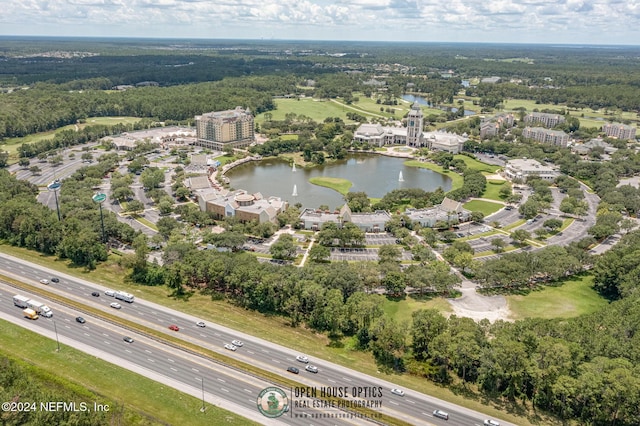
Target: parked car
95,294
116,305
237,343
311,368
293,370
80,320
174,327
201,324
398,392
230,347
302,358
441,414
127,339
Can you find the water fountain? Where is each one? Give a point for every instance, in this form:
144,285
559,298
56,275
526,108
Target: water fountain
295,191
400,178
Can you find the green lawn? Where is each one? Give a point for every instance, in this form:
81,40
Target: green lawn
337,184
486,207
571,298
143,401
492,190
477,165
401,310
316,109
272,328
455,177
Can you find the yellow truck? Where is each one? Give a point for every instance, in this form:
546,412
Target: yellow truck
30,313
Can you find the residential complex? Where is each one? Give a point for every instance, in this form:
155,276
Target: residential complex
620,131
540,134
449,212
220,129
491,126
542,118
412,135
525,168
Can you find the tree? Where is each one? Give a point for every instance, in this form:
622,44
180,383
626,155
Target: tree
24,162
35,170
4,158
284,248
394,283
389,253
498,245
152,177
426,325
319,253
135,207
520,235
552,224
477,216
166,225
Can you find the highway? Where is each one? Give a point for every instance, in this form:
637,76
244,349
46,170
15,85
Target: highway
414,407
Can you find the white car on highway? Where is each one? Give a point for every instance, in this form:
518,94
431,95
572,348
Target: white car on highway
116,305
398,392
200,324
302,358
237,343
230,347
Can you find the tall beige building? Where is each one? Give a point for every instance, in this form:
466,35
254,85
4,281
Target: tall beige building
220,129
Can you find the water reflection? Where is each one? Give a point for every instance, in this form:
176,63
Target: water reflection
375,175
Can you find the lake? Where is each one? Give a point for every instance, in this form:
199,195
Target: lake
373,174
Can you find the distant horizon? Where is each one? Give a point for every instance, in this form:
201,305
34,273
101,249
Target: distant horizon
302,41
572,22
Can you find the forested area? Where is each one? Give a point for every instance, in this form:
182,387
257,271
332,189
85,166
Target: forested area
27,386
583,369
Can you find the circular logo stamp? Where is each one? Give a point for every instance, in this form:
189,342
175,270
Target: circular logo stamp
273,402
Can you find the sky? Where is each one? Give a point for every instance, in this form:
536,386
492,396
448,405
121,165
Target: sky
490,21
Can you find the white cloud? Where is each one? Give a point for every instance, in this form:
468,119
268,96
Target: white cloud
566,21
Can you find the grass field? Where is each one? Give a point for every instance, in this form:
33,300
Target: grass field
316,109
145,401
492,190
571,298
477,165
11,144
455,177
401,310
486,207
337,184
272,328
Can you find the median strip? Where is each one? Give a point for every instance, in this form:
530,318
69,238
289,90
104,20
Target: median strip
193,349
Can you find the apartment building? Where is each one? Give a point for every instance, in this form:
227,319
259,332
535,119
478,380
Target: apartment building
220,129
620,131
547,120
552,137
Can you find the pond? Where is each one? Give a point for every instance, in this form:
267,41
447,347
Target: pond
373,174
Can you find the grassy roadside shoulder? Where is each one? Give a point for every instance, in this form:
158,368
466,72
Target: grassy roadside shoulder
132,399
272,328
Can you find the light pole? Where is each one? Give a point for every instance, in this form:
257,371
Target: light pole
203,407
99,198
55,187
57,340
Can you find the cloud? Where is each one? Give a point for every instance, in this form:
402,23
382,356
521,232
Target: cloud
428,20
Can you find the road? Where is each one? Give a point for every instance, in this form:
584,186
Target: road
414,407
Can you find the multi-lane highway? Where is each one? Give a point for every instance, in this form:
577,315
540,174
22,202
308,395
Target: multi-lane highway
414,407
